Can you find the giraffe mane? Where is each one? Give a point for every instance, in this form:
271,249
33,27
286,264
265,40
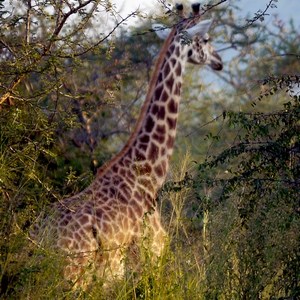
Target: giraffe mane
101,171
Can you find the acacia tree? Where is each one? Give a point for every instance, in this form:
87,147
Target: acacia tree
39,35
42,45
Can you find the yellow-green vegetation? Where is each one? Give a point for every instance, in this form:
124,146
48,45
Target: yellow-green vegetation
212,253
69,97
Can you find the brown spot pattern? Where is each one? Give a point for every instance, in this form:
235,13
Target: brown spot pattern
139,156
161,113
160,129
172,106
160,171
177,89
153,152
170,142
178,70
158,92
149,124
167,70
172,123
144,138
164,96
170,82
160,138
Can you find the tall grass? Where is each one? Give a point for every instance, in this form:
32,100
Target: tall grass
209,255
33,272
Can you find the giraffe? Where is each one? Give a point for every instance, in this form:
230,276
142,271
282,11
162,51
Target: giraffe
107,221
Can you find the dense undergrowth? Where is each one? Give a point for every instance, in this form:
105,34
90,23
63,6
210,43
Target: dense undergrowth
233,233
68,102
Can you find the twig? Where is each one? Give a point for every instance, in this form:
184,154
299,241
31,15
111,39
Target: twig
210,6
100,41
260,14
28,22
288,54
201,126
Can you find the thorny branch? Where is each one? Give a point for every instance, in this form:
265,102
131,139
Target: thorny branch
102,40
28,20
204,8
73,10
60,22
208,7
288,54
169,10
260,14
204,125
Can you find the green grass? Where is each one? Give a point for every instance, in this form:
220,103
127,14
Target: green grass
210,256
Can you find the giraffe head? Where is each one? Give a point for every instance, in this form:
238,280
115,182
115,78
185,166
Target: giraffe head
193,35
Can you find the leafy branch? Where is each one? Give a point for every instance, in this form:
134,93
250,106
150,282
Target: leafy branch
41,51
260,14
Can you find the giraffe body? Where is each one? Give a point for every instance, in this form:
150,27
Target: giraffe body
109,219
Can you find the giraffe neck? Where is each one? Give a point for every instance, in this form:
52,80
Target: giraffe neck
150,146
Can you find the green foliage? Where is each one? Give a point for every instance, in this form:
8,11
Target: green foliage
255,224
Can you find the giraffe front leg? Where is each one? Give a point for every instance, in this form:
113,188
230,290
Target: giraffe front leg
159,242
110,265
155,235
104,266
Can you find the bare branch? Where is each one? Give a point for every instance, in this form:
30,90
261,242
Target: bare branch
101,40
28,22
59,13
208,7
11,88
60,25
201,126
288,54
8,47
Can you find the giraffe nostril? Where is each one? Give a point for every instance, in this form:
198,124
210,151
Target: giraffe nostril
216,63
216,66
190,53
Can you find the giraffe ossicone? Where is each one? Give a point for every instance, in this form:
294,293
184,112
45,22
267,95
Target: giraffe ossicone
199,29
108,220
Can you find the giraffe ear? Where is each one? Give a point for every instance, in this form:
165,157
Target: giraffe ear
199,29
161,31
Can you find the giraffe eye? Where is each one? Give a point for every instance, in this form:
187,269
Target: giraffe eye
205,38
